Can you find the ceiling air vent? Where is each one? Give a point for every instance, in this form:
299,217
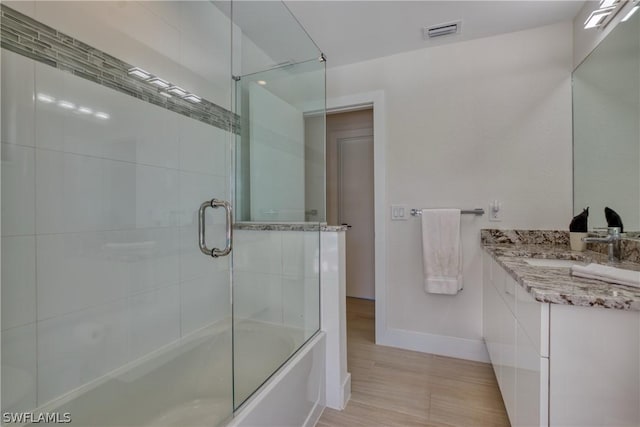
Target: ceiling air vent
441,30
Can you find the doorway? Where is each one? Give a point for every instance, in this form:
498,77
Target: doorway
350,194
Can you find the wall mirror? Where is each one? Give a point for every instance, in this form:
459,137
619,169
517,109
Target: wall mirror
606,129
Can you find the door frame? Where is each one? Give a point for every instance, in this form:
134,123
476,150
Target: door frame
361,101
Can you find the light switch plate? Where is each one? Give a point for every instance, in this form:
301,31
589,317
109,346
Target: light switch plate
495,211
399,212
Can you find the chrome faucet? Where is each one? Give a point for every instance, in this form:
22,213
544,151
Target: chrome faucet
613,239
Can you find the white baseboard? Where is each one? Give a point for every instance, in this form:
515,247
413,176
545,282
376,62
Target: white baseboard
346,390
460,348
314,416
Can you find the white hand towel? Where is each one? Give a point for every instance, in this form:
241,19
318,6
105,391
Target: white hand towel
607,273
442,251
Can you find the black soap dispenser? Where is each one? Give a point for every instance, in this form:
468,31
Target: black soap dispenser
613,219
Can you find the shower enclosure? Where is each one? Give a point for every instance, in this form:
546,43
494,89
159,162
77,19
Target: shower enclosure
162,193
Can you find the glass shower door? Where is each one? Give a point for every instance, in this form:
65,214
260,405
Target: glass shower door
116,126
279,194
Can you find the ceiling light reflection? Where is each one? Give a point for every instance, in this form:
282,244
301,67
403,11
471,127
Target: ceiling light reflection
47,99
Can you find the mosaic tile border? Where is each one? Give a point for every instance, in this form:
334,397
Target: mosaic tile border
32,39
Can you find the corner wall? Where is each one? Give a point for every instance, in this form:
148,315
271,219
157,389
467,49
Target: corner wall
467,123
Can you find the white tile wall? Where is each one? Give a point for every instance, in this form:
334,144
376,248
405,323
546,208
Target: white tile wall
157,197
275,277
103,214
84,269
300,254
49,119
76,348
144,259
193,264
196,188
119,195
205,300
17,99
18,281
258,251
295,295
79,193
19,368
153,320
68,192
203,149
18,177
75,273
257,296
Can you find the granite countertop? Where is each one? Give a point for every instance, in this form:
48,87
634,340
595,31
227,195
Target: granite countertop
555,284
274,226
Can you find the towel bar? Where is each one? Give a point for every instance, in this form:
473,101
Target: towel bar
476,211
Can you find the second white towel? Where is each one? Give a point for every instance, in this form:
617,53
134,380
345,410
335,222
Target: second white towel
607,273
442,251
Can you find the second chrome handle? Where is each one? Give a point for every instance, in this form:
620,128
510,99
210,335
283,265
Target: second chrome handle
215,252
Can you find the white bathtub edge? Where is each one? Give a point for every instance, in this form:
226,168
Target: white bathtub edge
263,404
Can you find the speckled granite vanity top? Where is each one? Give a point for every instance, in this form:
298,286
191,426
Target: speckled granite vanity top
274,226
555,284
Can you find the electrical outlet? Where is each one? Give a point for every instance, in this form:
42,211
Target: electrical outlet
399,212
495,211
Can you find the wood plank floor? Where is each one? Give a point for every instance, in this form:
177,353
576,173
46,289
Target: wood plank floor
394,387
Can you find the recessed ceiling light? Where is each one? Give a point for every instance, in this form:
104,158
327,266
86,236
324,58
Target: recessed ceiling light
193,98
261,82
139,72
176,90
47,99
85,110
102,115
159,82
66,105
596,18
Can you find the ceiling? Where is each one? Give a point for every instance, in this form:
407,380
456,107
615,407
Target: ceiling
353,31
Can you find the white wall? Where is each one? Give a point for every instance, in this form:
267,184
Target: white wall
468,123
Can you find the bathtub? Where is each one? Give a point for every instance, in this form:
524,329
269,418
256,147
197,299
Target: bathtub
188,383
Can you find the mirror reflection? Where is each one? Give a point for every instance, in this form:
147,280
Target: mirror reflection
606,129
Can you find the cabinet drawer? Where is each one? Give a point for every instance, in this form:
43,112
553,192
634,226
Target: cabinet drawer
491,304
533,317
505,285
487,263
532,384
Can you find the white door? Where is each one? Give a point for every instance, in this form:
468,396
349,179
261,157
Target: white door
355,208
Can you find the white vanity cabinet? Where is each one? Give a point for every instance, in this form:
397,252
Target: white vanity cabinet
520,367
560,365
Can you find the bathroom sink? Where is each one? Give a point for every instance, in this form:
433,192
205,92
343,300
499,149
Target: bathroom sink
547,262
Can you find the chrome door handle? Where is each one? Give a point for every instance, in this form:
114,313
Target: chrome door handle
215,252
